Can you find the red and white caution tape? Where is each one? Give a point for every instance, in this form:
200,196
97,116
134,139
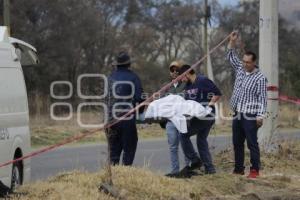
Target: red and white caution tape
289,99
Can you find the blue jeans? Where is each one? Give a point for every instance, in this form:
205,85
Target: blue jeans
200,128
244,127
173,141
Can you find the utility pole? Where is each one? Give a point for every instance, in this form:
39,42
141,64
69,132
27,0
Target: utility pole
268,61
6,14
207,63
205,34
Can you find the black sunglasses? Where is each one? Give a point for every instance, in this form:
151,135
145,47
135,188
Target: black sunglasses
173,69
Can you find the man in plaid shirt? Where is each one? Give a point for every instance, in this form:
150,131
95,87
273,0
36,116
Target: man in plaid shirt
249,102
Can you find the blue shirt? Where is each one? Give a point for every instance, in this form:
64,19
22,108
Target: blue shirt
202,90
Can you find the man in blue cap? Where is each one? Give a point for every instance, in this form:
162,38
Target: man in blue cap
124,93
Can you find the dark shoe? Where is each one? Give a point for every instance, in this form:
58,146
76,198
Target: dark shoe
179,175
196,165
185,174
186,169
238,172
171,175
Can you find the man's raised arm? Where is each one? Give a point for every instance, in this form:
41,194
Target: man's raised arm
231,53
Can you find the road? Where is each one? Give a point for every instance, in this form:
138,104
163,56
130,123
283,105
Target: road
153,154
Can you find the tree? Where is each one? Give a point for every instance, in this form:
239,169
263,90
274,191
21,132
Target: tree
82,36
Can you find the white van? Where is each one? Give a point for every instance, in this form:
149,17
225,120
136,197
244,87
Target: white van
14,115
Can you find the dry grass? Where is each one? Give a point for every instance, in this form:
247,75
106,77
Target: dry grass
289,116
280,180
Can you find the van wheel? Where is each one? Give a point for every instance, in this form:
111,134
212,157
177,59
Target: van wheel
16,176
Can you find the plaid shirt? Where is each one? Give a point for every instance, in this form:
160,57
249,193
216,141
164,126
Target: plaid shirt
250,90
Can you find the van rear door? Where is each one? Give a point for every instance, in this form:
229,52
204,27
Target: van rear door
25,53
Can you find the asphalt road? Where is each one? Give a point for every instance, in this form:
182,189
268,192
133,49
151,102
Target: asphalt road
153,154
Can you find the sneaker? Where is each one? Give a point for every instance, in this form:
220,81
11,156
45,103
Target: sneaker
186,169
188,172
179,175
196,165
185,174
253,173
238,172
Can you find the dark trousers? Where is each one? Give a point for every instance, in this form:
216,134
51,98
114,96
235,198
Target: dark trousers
123,137
244,127
201,128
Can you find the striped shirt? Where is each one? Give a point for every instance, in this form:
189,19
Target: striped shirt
250,89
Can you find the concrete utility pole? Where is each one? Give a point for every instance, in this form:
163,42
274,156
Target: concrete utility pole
207,64
210,72
210,75
268,61
205,41
205,34
6,14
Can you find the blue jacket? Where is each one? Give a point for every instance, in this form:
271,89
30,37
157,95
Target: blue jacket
125,89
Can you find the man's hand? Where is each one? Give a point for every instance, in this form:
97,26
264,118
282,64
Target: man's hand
233,36
232,39
156,96
213,100
259,122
